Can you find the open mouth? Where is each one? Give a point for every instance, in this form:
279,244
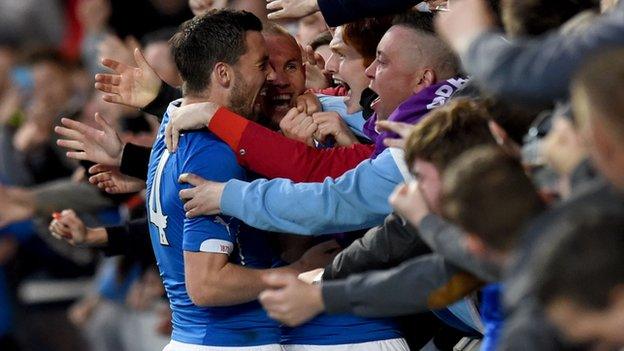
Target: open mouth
281,101
341,83
375,103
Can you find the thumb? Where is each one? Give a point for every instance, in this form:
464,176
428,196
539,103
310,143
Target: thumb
102,122
141,61
277,280
330,246
192,179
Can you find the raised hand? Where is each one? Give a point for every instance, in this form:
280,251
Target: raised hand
409,202
315,70
467,20
96,145
130,86
189,117
280,9
111,180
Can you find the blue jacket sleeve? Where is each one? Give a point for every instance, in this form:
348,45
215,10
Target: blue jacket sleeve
539,71
337,12
356,200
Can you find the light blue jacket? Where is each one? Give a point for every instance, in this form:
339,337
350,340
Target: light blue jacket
356,200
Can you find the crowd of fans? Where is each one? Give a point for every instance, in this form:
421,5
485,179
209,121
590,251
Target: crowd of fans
311,175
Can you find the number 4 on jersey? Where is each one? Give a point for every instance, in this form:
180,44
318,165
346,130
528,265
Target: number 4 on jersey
157,217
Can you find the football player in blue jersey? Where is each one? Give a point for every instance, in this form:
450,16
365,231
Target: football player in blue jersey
211,266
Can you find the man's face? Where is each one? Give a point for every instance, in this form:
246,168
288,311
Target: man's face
600,138
394,72
347,67
429,183
583,325
250,74
288,82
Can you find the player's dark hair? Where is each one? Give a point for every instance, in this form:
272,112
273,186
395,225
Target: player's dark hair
202,42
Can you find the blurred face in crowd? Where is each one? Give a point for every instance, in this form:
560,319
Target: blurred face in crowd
429,183
581,324
51,83
309,27
288,82
6,64
250,73
395,74
602,138
347,67
562,148
324,51
158,55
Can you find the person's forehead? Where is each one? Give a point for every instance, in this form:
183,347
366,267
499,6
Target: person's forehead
279,46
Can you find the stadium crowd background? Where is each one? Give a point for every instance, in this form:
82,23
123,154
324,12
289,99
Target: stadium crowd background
469,153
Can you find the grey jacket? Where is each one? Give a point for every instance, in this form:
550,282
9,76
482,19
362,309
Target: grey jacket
425,281
539,71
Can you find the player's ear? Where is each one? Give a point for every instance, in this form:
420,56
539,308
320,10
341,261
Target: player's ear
223,74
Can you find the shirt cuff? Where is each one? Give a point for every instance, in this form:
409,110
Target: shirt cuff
228,126
232,198
336,297
116,241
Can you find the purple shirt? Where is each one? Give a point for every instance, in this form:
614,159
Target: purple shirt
413,109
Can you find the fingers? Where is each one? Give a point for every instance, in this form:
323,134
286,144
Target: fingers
98,168
114,65
70,144
278,280
187,194
78,155
113,99
107,88
330,246
171,137
104,78
402,129
102,180
69,133
192,179
273,5
392,142
78,126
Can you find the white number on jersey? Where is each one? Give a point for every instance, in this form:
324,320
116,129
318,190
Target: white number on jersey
156,216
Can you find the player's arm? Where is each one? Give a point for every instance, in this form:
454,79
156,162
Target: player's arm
213,281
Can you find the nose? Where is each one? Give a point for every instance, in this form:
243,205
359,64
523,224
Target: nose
370,70
331,66
271,75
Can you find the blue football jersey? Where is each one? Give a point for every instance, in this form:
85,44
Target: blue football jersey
203,154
